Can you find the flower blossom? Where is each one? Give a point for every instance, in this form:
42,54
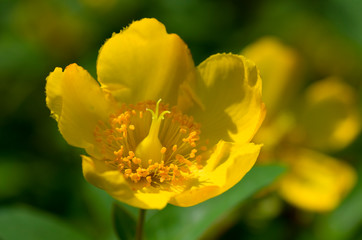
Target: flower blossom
157,129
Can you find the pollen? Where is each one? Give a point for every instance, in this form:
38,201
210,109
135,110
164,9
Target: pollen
151,145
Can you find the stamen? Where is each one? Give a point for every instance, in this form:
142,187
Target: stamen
149,179
163,150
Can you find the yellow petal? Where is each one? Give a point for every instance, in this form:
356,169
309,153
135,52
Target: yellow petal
330,118
53,90
316,182
278,65
143,62
77,103
229,166
230,91
112,181
226,167
151,200
104,176
195,195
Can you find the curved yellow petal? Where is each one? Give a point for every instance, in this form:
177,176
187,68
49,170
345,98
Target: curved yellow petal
315,181
151,200
112,181
77,103
230,90
229,166
278,65
329,118
144,62
226,167
104,176
53,91
195,195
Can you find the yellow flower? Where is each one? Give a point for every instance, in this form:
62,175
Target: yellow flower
324,117
191,146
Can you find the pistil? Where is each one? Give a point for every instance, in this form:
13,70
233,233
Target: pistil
150,148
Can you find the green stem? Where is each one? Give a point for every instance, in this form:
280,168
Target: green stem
141,220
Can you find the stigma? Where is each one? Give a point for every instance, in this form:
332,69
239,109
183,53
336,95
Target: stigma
151,144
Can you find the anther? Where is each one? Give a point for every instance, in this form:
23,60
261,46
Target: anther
163,150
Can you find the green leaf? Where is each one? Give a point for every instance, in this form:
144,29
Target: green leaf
190,223
29,224
124,222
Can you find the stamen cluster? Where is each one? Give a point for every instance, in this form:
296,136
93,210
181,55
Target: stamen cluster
180,153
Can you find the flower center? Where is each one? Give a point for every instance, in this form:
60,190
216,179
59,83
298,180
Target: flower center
151,145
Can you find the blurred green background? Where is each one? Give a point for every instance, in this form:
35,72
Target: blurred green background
40,174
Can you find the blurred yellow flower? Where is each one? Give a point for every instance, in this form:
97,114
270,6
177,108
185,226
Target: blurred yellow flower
324,117
315,181
329,118
147,152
